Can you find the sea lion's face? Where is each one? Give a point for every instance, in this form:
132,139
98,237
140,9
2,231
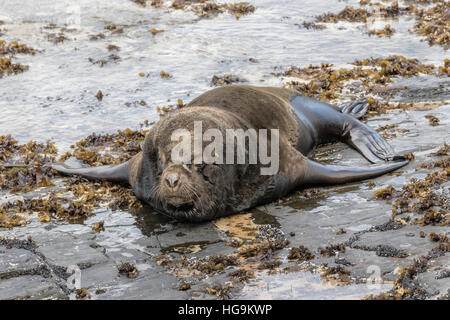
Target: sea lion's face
191,192
186,188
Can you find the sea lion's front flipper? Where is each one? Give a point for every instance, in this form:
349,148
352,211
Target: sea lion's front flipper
369,143
316,173
118,173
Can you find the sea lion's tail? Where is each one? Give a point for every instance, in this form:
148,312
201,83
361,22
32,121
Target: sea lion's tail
115,173
317,173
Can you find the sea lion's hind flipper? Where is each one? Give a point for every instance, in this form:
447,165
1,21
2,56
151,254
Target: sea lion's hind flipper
356,109
118,173
319,174
369,143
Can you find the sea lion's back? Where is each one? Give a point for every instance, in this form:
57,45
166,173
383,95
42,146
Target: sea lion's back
258,107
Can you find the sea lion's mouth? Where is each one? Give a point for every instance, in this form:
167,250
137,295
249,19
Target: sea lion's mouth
179,204
182,207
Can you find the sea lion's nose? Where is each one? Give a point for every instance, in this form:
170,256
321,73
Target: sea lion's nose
172,179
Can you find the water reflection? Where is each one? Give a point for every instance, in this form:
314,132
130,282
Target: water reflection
153,223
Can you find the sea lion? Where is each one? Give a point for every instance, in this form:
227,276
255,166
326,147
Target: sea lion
205,191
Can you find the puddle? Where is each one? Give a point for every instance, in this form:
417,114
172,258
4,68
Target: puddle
305,286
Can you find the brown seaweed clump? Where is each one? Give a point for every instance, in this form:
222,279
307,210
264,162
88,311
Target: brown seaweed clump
105,149
24,167
336,275
99,95
14,48
325,82
184,286
82,294
99,226
128,269
251,255
203,8
11,220
423,197
395,66
385,193
222,291
140,2
445,69
8,145
300,254
112,47
88,196
387,31
313,26
441,163
432,120
155,31
197,268
104,61
406,287
332,250
242,275
433,24
438,237
240,8
420,197
443,151
49,207
165,75
57,38
209,9
97,36
225,80
7,53
95,194
349,14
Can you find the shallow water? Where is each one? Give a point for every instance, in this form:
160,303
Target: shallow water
56,100
306,286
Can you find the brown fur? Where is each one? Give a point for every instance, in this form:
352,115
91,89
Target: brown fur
217,190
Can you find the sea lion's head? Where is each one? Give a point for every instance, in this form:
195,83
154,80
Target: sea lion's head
188,190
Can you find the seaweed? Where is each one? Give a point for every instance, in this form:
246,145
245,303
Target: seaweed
336,275
82,294
25,166
8,51
327,83
225,80
387,31
203,8
128,269
332,250
349,14
300,254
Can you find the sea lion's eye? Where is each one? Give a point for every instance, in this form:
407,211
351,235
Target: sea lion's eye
160,165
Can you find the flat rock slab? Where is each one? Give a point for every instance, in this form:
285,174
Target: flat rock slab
15,262
30,287
65,250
